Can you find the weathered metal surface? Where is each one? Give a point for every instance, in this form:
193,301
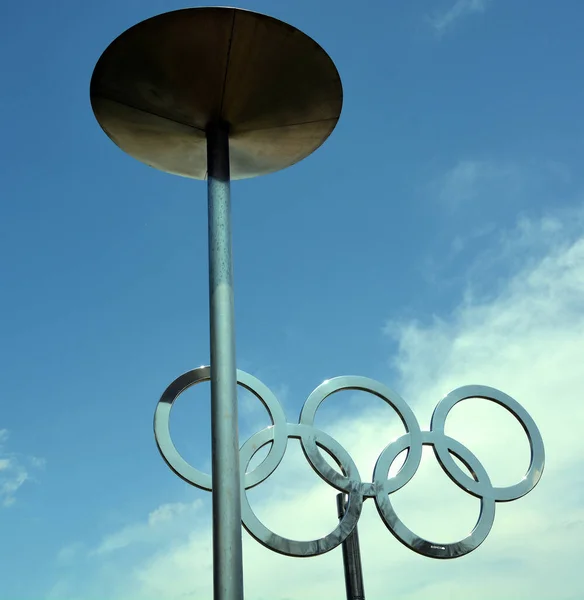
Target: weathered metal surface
157,87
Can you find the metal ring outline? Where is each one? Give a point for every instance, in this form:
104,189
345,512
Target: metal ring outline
299,548
457,475
194,476
405,535
350,481
399,405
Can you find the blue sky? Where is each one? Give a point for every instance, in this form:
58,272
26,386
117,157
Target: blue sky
435,240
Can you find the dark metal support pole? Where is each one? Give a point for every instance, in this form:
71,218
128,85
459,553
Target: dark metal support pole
227,553
351,559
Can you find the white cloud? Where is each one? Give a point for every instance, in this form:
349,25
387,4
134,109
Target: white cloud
159,524
14,471
471,180
69,553
444,20
526,337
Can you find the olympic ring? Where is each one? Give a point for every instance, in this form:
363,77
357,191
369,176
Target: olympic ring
349,481
186,471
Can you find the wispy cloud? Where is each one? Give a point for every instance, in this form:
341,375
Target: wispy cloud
69,553
488,187
474,197
158,524
526,339
444,20
470,180
14,471
522,332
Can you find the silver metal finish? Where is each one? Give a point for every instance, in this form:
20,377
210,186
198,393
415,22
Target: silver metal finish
314,440
218,93
227,551
223,93
351,558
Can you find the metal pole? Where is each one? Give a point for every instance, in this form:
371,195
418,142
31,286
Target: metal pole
227,553
351,559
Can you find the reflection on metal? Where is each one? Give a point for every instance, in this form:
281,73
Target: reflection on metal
218,94
349,481
157,87
351,558
227,551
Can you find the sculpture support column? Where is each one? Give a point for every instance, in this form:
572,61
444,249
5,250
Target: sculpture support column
227,552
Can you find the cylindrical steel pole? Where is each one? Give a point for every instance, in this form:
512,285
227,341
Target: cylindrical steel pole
351,559
227,553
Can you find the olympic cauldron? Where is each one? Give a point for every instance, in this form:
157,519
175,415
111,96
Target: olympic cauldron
220,94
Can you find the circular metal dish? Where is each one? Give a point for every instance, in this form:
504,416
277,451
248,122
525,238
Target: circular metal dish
158,85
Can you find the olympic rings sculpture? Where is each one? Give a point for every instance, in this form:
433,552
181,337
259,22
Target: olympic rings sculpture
350,481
